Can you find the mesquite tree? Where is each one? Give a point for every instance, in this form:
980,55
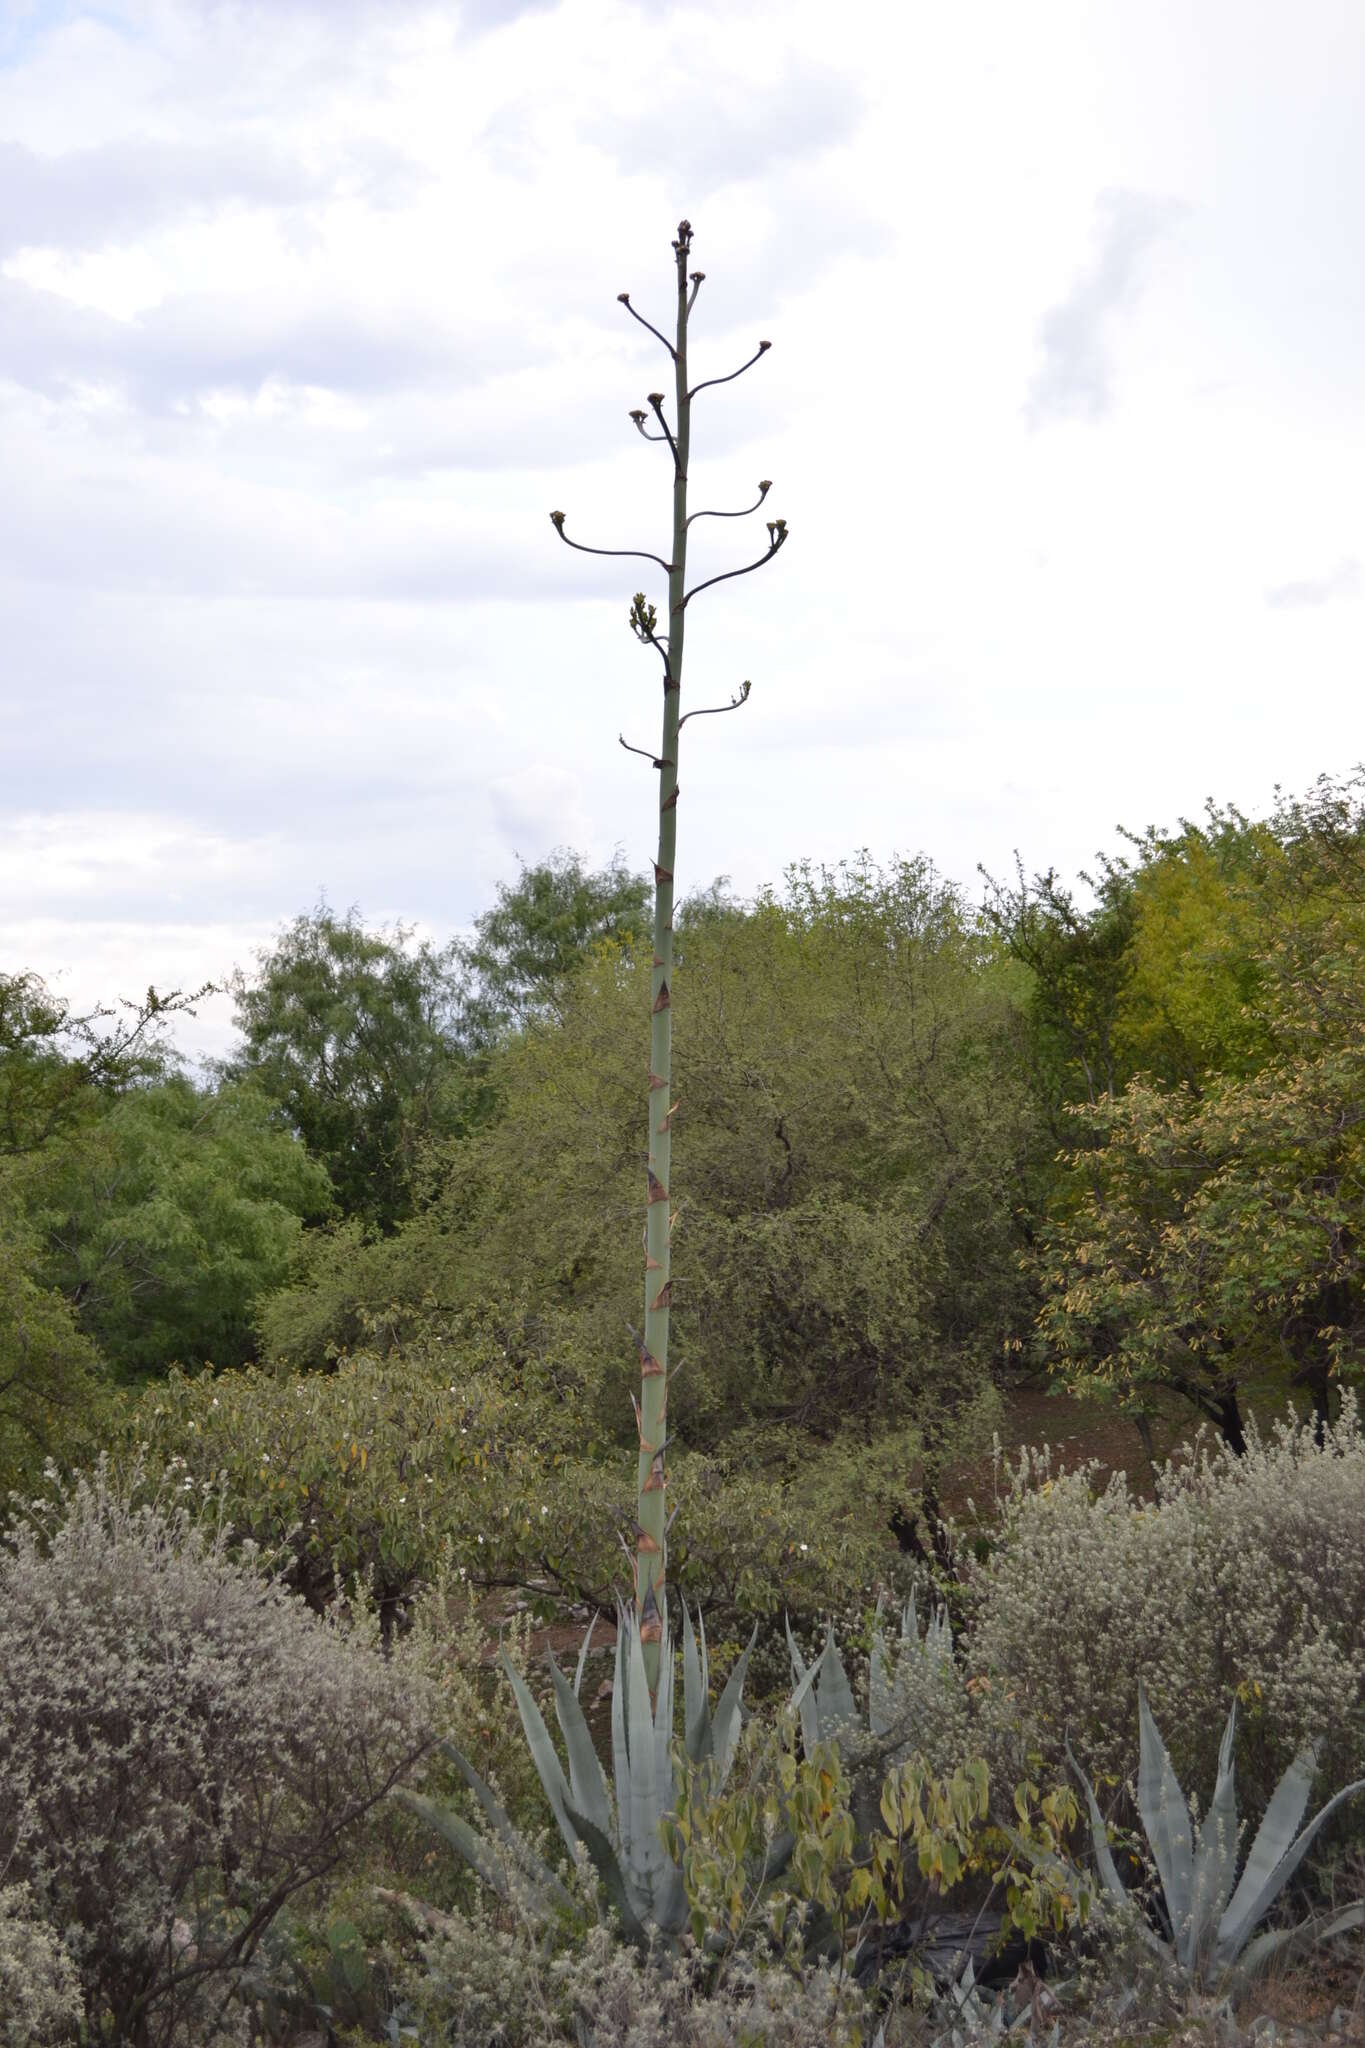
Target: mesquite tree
651,1410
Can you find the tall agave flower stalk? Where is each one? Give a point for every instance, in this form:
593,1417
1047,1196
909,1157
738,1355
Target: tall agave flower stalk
651,1410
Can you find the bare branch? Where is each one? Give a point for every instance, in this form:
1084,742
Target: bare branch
641,554
656,399
644,752
639,418
714,710
624,298
777,528
762,349
697,277
763,491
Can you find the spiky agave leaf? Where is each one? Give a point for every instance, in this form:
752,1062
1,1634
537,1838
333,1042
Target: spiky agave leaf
696,1690
880,1707
543,1755
803,1695
1263,1946
1166,1817
546,1892
1274,1857
645,1789
587,1786
725,1727
1215,1858
833,1694
1099,1840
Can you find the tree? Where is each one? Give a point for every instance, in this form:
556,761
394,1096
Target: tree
358,1037
1208,1233
53,1384
668,645
59,1067
541,928
162,1223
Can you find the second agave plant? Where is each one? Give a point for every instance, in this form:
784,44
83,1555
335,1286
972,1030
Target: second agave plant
1213,1914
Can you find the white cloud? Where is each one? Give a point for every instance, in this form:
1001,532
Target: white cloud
1347,579
308,317
1076,377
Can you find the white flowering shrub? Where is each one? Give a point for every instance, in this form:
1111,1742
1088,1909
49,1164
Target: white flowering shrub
183,1748
487,1979
40,1993
1247,1575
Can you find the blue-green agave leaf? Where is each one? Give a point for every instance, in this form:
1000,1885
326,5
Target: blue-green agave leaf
1166,1817
725,1728
1263,1946
502,1826
608,1867
1099,1837
834,1699
582,1659
880,1709
587,1786
620,1749
1271,1863
803,1696
461,1838
543,1754
696,1705
646,1858
1215,1858
665,1790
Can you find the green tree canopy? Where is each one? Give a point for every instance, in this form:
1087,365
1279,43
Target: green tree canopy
358,1037
58,1066
849,1065
542,927
1206,1235
161,1223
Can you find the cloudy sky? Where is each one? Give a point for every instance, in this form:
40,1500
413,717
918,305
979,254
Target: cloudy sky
308,317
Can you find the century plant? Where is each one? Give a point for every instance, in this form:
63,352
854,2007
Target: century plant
622,1836
624,1841
651,1410
1213,1915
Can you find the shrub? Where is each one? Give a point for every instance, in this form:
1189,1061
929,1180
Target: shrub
40,1993
1246,1579
395,1470
183,1749
486,1979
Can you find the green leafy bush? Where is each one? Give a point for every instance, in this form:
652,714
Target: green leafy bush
1246,1577
444,1459
183,1748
